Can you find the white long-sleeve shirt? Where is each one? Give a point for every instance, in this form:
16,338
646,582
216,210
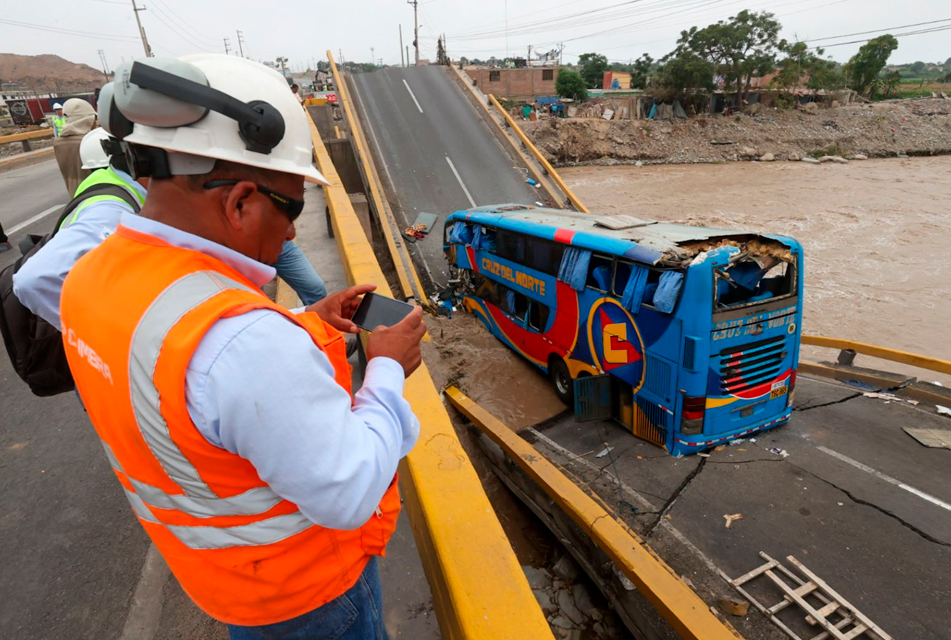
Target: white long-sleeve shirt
257,386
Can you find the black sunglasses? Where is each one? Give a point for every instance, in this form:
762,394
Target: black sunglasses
289,206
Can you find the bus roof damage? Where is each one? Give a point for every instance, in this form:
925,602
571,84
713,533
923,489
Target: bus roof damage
660,244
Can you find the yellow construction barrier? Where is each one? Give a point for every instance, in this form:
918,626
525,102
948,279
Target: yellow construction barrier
684,610
26,135
883,353
542,160
479,589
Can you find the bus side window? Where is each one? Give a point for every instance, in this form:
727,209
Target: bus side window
622,273
538,316
544,255
516,304
599,276
511,246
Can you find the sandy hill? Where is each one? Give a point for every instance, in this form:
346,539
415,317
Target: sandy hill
48,73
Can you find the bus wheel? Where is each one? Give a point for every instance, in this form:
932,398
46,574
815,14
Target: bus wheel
561,379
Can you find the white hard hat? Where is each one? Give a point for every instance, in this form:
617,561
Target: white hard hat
91,151
57,106
179,105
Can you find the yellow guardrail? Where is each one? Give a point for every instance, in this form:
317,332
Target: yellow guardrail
26,135
539,175
479,589
883,353
683,609
404,271
542,160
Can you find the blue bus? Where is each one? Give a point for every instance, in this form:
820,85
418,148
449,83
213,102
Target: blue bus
687,336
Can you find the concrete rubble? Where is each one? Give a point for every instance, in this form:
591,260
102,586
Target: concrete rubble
574,609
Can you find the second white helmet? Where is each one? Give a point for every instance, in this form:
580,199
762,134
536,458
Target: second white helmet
91,151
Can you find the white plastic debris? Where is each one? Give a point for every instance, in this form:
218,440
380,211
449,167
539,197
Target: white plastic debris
733,443
606,451
943,411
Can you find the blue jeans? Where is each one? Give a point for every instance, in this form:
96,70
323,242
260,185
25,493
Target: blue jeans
295,269
356,615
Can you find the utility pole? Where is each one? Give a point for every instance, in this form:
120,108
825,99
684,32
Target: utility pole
407,55
241,43
372,57
105,67
145,41
227,49
402,59
506,28
415,4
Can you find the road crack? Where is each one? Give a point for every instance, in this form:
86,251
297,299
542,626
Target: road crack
673,498
881,510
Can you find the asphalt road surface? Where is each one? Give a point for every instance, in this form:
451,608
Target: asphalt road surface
434,151
29,196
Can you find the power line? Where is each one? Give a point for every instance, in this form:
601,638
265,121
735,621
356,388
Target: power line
895,35
191,41
68,32
185,24
862,33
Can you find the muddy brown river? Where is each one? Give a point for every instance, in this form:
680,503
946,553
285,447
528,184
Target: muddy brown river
877,234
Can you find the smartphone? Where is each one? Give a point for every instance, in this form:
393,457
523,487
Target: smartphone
376,310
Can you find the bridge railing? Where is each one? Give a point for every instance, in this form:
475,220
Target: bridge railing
25,137
478,587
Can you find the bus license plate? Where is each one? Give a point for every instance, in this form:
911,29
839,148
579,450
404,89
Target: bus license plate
778,392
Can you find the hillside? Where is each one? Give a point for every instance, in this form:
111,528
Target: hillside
48,73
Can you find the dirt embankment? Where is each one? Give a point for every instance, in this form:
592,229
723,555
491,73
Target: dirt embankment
884,129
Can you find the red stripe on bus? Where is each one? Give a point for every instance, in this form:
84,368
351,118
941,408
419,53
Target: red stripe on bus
564,235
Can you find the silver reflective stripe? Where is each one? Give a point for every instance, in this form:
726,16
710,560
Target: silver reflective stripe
251,502
257,533
199,500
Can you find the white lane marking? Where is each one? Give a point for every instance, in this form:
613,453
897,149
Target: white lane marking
39,216
412,95
461,183
881,476
145,614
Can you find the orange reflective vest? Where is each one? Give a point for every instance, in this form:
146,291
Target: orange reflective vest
134,311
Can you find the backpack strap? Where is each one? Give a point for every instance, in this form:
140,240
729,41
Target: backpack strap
101,189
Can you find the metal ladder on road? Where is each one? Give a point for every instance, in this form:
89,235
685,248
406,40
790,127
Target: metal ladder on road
835,615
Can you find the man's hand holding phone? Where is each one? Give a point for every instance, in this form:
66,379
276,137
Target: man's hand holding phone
399,342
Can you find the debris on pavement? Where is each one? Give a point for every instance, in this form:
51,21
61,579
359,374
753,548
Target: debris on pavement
730,519
943,411
932,438
733,606
605,452
779,452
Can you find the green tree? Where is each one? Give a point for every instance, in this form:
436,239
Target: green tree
593,66
640,71
570,84
918,68
888,84
740,48
683,71
863,68
805,66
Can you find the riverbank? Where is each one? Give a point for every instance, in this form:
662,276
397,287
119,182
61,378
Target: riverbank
882,129
876,233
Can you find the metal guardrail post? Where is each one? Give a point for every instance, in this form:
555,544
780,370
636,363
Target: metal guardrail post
26,146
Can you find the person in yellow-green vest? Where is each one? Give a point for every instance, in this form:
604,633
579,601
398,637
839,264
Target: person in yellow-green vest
58,120
39,281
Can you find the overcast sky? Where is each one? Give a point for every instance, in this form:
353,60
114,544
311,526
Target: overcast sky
302,31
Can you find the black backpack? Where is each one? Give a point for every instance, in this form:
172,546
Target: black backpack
35,346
